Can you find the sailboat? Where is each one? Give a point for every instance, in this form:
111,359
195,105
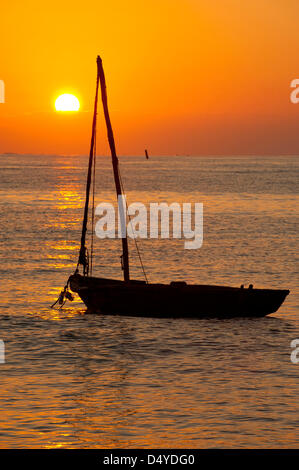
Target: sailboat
141,298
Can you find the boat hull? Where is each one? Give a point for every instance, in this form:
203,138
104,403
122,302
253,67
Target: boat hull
178,299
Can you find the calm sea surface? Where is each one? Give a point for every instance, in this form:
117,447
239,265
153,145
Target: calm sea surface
77,380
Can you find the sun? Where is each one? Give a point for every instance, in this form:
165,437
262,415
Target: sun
67,102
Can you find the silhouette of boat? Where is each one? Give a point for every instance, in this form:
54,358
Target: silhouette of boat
140,298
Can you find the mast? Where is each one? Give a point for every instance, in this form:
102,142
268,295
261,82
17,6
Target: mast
83,258
146,154
118,187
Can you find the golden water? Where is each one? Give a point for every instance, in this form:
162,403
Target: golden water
76,380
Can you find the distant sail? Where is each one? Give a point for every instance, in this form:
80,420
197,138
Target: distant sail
146,154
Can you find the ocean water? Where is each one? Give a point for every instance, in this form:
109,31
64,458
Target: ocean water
72,379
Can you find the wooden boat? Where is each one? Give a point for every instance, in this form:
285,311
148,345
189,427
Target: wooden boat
177,299
140,298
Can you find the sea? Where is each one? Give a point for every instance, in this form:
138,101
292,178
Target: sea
72,379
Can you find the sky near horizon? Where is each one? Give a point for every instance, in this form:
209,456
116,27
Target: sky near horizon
195,77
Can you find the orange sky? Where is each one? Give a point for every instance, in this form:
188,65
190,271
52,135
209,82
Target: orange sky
183,76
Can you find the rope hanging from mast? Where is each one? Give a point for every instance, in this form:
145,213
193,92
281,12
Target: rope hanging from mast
84,259
83,255
125,254
92,207
135,240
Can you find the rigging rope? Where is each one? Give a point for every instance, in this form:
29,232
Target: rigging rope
64,295
93,194
136,244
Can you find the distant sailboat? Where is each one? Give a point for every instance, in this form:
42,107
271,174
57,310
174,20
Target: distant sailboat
146,154
141,298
